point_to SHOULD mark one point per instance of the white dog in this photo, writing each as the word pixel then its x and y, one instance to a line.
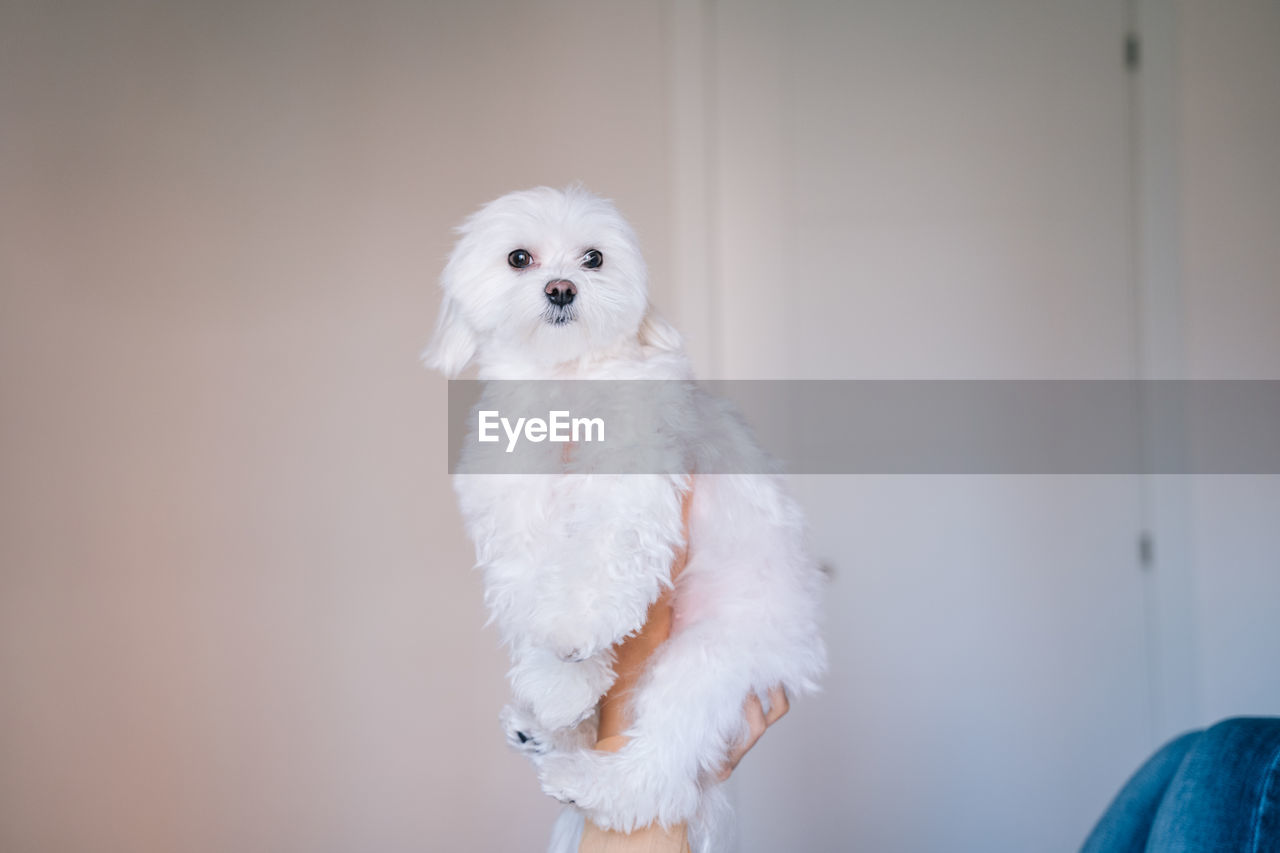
pixel 550 284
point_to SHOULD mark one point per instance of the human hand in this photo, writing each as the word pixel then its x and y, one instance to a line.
pixel 757 721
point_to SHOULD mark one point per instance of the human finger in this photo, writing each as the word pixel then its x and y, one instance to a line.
pixel 757 722
pixel 778 705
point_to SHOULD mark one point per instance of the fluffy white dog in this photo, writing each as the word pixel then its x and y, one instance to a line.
pixel 550 284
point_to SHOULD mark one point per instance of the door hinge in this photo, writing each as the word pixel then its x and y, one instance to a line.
pixel 1132 51
pixel 1146 551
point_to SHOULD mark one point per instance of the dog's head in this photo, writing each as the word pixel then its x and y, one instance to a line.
pixel 538 278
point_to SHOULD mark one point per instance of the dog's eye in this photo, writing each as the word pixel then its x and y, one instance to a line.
pixel 592 259
pixel 519 259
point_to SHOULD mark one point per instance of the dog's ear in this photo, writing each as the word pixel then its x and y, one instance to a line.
pixel 453 345
pixel 657 333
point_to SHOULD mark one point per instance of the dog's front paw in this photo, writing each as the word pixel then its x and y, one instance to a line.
pixel 535 741
pixel 523 733
pixel 559 695
pixel 577 646
pixel 581 633
pixel 617 791
pixel 567 777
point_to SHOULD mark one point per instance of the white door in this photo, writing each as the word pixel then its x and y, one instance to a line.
pixel 940 189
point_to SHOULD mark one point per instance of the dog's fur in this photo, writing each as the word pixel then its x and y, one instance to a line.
pixel 573 560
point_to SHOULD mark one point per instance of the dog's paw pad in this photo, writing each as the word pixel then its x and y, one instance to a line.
pixel 525 742
pixel 522 733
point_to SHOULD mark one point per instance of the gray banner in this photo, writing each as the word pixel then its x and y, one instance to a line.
pixel 866 427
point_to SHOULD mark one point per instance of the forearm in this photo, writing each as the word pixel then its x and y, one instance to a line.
pixel 630 658
pixel 651 839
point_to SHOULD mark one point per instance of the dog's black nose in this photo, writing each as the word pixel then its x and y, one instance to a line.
pixel 561 291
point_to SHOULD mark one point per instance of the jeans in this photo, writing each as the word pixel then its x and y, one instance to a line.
pixel 1207 791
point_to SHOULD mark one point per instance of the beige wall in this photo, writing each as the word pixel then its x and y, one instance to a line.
pixel 1230 154
pixel 235 611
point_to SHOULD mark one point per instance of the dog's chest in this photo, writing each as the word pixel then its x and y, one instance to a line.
pixel 527 525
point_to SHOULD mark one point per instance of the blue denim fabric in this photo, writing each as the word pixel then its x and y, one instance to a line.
pixel 1210 791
